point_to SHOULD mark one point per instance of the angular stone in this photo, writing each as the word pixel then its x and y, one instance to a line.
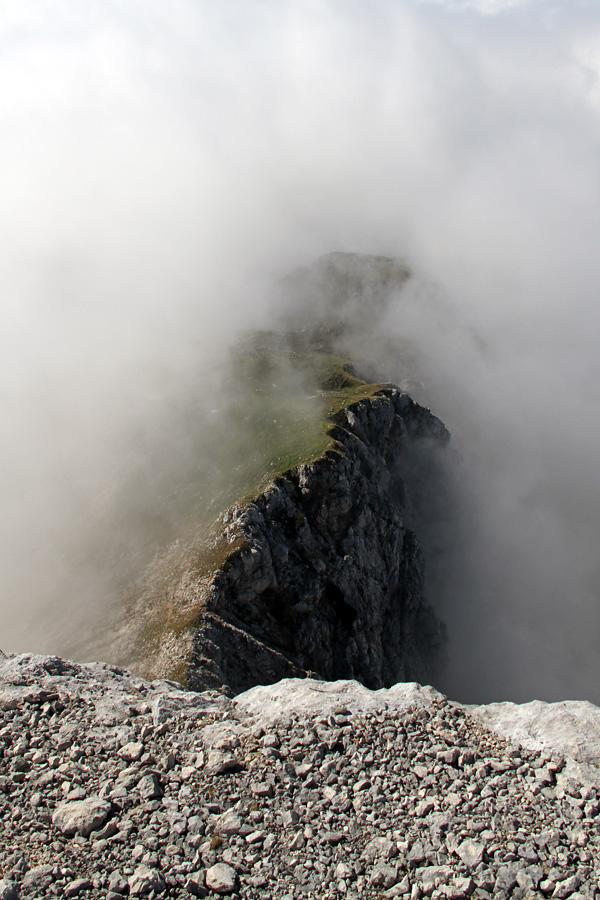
pixel 333 837
pixel 528 853
pixel 423 808
pixel 416 854
pixel 255 837
pixel 219 762
pixel 132 752
pixel 261 789
pixel 342 870
pixel 399 889
pixel 363 785
pixel 506 879
pixel 378 848
pixel 228 823
pixel 430 877
pixel 289 817
pixel 38 880
pixel 383 876
pixel 196 883
pixel 81 816
pixel 144 880
pixel 149 787
pixel 111 828
pixel 449 757
pixel 471 852
pixel 529 877
pixel 76 887
pixel 464 887
pixel 221 878
pixel 566 888
pixel 117 883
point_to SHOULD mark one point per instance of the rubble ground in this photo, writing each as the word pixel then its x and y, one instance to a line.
pixel 111 787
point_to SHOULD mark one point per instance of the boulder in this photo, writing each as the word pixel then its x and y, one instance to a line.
pixel 221 878
pixel 81 816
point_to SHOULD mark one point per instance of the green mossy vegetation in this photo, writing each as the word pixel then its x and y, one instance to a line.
pixel 170 615
pixel 289 387
pixel 283 391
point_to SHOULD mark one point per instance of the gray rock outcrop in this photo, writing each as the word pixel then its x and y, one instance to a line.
pixel 568 727
pixel 328 579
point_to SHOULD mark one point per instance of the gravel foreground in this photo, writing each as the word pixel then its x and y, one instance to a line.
pixel 114 787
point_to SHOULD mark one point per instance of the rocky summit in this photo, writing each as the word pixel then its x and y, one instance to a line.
pixel 113 787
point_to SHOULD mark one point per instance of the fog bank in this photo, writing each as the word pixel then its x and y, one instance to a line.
pixel 163 167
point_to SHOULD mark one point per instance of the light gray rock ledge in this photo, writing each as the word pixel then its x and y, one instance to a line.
pixel 309 697
pixel 570 728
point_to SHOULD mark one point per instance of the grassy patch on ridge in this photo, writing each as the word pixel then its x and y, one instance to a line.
pixel 282 392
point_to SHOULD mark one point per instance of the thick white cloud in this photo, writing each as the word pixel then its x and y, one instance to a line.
pixel 160 164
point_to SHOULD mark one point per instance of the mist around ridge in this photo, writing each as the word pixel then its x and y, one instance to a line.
pixel 161 169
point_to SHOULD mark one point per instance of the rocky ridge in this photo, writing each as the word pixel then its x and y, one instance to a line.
pixel 113 787
pixel 318 570
pixel 329 579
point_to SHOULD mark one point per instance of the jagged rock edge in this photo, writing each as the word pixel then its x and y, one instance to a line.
pixel 220 653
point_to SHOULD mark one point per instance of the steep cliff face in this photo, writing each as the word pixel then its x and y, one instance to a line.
pixel 324 576
pixel 318 570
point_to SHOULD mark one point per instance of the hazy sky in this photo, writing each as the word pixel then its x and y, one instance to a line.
pixel 162 163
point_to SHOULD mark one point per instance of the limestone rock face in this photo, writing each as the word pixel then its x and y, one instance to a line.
pixel 570 728
pixel 329 579
pixel 269 704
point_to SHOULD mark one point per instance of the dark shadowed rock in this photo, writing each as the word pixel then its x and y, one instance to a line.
pixel 9 890
pixel 318 570
pixel 329 579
